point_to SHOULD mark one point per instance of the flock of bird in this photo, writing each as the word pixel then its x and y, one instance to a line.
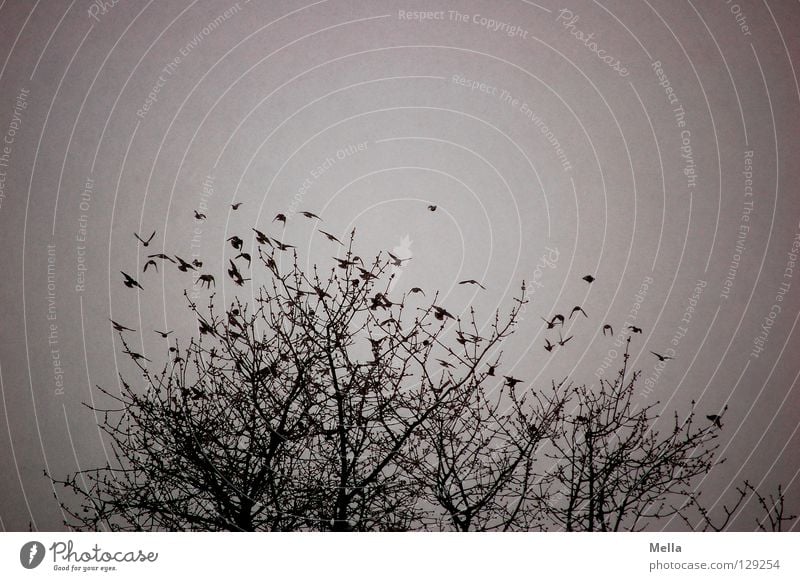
pixel 378 301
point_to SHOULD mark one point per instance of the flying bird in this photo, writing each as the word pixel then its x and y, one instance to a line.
pixel 129 281
pixel 152 263
pixel 440 313
pixel 511 381
pixel 145 242
pixel 235 275
pixel 472 281
pixel 635 329
pixel 589 278
pixel 162 256
pixel 416 290
pixel 261 238
pixel 548 346
pixel 207 280
pixel 445 364
pixel 397 261
pixel 578 310
pixel 550 324
pixel 164 334
pixel 432 208
pixel 311 215
pixel 136 356
pixel 716 419
pixel 246 256
pixel 280 218
pixel 199 216
pixel 236 242
pixel 608 328
pixel 491 370
pixel 563 341
pixel 183 266
pixel 236 206
pixel 197 263
pixel 120 328
pixel 281 246
pixel 661 357
pixel 344 264
pixel 330 237
pixel 559 318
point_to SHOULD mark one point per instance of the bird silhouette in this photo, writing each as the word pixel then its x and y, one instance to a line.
pixel 511 381
pixel 236 242
pixel 716 419
pixel 261 238
pixel 550 324
pixel 343 263
pixel 559 318
pixel 183 266
pixel 164 334
pixel 589 278
pixel 330 237
pixel 472 281
pixel 445 364
pixel 145 242
pixel 236 206
pixel 491 371
pixel 397 261
pixel 246 256
pixel 152 263
pixel 548 346
pixel 120 328
pixel 129 281
pixel 366 275
pixel 135 356
pixel 635 329
pixel 578 310
pixel 608 328
pixel 563 341
pixel 197 263
pixel 661 357
pixel 416 290
pixel 235 275
pixel 432 208
pixel 207 280
pixel 311 215
pixel 199 216
pixel 280 218
pixel 281 246
pixel 440 313
pixel 162 256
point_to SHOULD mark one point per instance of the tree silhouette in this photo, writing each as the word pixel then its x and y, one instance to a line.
pixel 331 403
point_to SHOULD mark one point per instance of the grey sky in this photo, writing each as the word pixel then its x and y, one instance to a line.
pixel 556 141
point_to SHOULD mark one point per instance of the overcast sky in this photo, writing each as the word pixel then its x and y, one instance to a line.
pixel 652 145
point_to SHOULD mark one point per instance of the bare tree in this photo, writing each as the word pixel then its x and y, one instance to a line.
pixel 331 403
